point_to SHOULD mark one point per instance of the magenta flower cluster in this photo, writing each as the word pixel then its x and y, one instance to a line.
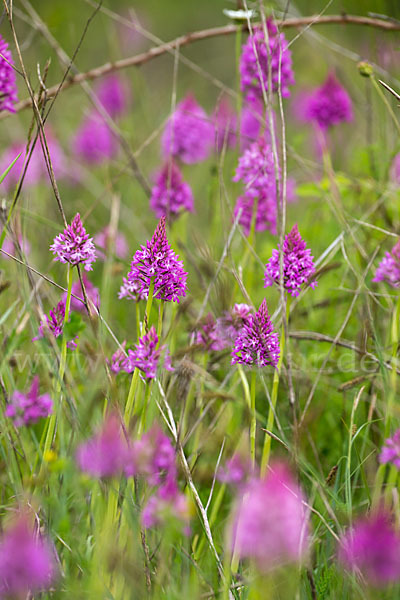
pixel 107 453
pixel 189 133
pixel 372 547
pixel 26 561
pixel 298 264
pixel 328 105
pixel 389 268
pixel 103 240
pixel 155 264
pixel 146 356
pixel 257 344
pixel 27 409
pixel 222 333
pixel 36 171
pixel 94 141
pixel 113 95
pixel 74 246
pixel 225 124
pixel 390 452
pixel 271 521
pixel 260 54
pixel 236 471
pixel 257 172
pixel 54 324
pixel 110 453
pixel 8 84
pixel 171 195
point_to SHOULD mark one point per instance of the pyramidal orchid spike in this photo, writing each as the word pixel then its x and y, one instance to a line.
pixel 156 263
pixel 257 344
pixel 74 246
pixel 298 264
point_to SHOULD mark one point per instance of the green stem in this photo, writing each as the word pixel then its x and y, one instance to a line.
pixel 253 424
pixel 274 396
pixel 135 376
pixel 380 474
pixel 63 360
pixel 160 320
pixel 142 425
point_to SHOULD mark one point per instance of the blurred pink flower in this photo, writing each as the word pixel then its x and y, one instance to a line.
pixel 390 452
pixel 102 240
pixel 37 170
pixel 225 125
pixel 92 293
pixel 94 140
pixel 9 247
pixel 271 523
pixel 325 106
pixel 171 195
pixel 27 409
pixel 166 503
pixel 113 95
pixel 26 561
pixel 189 133
pixel 107 453
pixel 389 268
pixel 372 547
pixel 154 457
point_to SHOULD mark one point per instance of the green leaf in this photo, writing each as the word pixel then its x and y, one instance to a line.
pixel 3 175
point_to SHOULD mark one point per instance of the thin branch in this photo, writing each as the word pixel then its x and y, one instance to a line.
pixel 195 36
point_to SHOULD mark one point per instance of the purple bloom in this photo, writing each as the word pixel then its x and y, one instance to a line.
pixel 113 95
pixel 37 170
pixel 256 170
pixel 271 523
pixel 390 452
pixel 26 561
pixel 146 355
pixel 170 195
pixel 206 334
pixel 257 343
pixel 8 84
pixel 222 333
pixel 74 246
pixel 225 125
pixel 165 504
pixel 257 57
pixel 156 263
pixel 54 323
pixel 92 294
pixel 106 454
pixel 236 471
pixel 118 359
pixel 231 324
pixel 389 268
pixel 9 246
pixel 94 140
pixel 103 240
pixel 26 409
pixel 251 120
pixel 189 133
pixel 132 289
pixel 372 546
pixel 153 457
pixel 328 105
pixel 298 265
